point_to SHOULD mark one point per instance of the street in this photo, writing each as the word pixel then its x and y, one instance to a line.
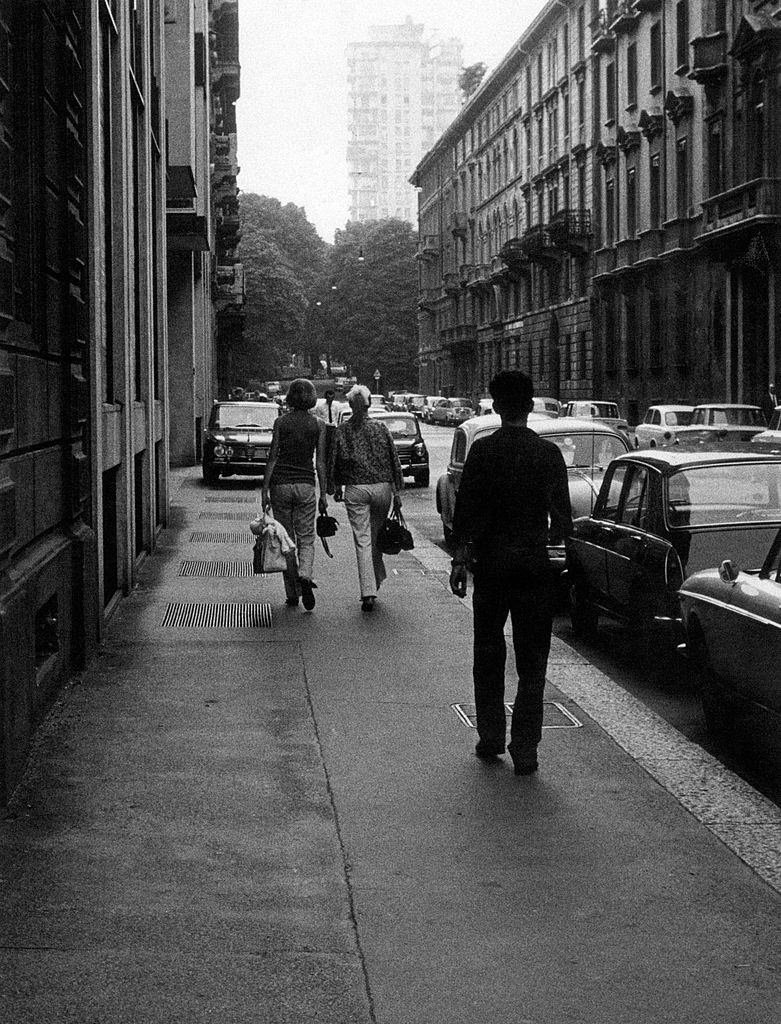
pixel 661 682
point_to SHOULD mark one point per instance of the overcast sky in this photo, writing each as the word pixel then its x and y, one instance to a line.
pixel 292 114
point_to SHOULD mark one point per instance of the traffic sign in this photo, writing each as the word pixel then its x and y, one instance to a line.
pixel 377 374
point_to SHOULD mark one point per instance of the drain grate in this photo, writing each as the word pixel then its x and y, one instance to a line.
pixel 216 537
pixel 236 517
pixel 555 715
pixel 232 499
pixel 217 616
pixel 420 572
pixel 215 567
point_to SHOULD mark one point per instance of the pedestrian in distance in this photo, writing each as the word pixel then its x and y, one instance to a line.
pixel 366 472
pixel 512 482
pixel 769 402
pixel 289 484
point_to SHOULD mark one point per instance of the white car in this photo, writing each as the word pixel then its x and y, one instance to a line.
pixel 547 406
pixel 658 427
pixel 485 407
pixel 773 433
pixel 605 412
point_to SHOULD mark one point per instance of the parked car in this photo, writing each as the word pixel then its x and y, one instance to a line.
pixel 415 404
pixel 377 401
pixel 238 439
pixel 458 410
pixel 722 422
pixel 410 446
pixel 485 407
pixel 605 412
pixel 660 424
pixel 437 410
pixel 588 448
pixel 732 620
pixel 773 433
pixel 661 515
pixel 547 406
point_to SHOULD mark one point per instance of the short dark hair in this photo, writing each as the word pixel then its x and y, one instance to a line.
pixel 329 393
pixel 512 392
pixel 301 394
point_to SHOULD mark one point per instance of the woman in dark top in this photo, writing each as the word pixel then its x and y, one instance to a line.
pixel 289 484
pixel 365 467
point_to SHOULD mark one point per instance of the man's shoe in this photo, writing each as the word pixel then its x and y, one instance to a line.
pixel 525 763
pixel 291 602
pixel 488 751
pixel 307 596
pixel 367 604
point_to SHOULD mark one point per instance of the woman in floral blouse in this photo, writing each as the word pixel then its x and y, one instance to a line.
pixel 365 470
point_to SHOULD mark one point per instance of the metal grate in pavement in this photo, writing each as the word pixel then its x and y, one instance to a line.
pixel 217 537
pixel 420 572
pixel 555 715
pixel 214 567
pixel 236 517
pixel 179 615
pixel 236 499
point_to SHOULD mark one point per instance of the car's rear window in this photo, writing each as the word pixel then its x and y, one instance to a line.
pixel 583 451
pixel 677 419
pixel 403 426
pixel 728 417
pixel 460 403
pixel 729 493
pixel 224 416
pixel 608 409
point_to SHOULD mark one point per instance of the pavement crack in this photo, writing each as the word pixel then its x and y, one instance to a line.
pixel 346 865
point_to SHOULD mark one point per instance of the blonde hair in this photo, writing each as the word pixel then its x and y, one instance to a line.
pixel 362 390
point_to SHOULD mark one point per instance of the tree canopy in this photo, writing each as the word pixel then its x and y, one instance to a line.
pixel 470 78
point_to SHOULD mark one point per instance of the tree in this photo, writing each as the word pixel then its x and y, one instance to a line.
pixel 368 316
pixel 470 78
pixel 283 258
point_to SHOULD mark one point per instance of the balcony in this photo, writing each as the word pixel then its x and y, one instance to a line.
pixel 570 231
pixel 458 224
pixel 623 16
pixel 742 209
pixel 604 261
pixel 464 334
pixel 536 244
pixel 602 39
pixel 679 233
pixel 478 277
pixel 651 243
pixel 515 257
pixel 229 286
pixel 451 284
pixel 627 253
pixel 709 58
pixel 463 272
pixel 428 248
pixel 427 298
pixel 498 270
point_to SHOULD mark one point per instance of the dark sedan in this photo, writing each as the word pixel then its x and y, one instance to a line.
pixel 732 618
pixel 660 516
pixel 238 439
pixel 410 446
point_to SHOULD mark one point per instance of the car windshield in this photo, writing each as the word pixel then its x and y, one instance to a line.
pixel 226 416
pixel 609 410
pixel 677 419
pixel 728 493
pixel 460 403
pixel 403 426
pixel 586 451
pixel 728 417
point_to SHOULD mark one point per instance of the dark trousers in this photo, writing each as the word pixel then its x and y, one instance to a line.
pixel 530 606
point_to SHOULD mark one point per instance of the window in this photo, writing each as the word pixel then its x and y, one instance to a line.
pixel 540 143
pixel 682 176
pixel 565 48
pixel 631 202
pixel 756 129
pixel 630 309
pixel 682 34
pixel 609 212
pixel 654 190
pixel 609 508
pixel 681 328
pixel 539 75
pixel 631 75
pixel 528 87
pixel 719 15
pixel 655 330
pixel 656 55
pixel 582 108
pixel 715 159
pixel 528 134
pixel 634 510
pixel 610 92
pixel 582 186
pixel 581 29
pixel 565 115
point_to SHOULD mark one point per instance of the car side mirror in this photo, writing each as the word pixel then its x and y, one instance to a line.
pixel 728 571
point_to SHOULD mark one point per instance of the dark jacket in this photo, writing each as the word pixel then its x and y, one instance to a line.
pixel 512 482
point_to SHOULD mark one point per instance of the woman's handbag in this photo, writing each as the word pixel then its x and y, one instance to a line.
pixel 273 551
pixel 394 535
pixel 326 526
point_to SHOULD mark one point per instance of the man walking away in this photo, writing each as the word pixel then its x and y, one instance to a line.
pixel 512 482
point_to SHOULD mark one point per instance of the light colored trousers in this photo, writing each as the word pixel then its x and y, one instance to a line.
pixel 367 509
pixel 294 506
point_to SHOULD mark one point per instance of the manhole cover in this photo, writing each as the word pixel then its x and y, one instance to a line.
pixel 236 517
pixel 232 499
pixel 217 616
pixel 223 569
pixel 555 715
pixel 216 537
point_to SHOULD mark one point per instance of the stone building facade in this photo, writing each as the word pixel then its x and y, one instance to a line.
pixel 689 193
pixel 85 396
pixel 505 221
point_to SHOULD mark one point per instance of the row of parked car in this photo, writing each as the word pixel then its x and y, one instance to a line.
pixel 665 425
pixel 680 542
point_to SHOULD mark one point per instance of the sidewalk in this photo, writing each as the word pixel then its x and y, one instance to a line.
pixel 286 823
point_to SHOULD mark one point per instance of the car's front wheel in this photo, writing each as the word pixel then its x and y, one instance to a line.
pixel 583 614
pixel 211 476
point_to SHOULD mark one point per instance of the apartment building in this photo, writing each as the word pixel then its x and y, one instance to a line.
pixel 505 221
pixel 88 90
pixel 689 193
pixel 403 92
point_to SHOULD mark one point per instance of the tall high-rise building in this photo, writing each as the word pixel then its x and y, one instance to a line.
pixel 403 93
